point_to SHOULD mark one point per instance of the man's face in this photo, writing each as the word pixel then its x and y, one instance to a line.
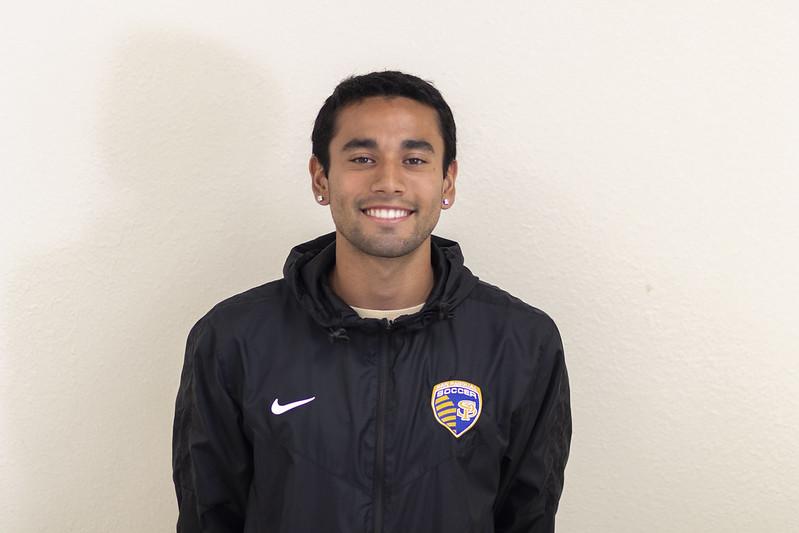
pixel 386 183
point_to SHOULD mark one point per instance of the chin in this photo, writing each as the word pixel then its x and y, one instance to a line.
pixel 388 250
pixel 389 247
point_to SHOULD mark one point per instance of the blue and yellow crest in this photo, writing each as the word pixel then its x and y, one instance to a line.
pixel 457 405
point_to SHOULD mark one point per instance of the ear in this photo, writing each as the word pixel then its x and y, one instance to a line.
pixel 448 187
pixel 318 181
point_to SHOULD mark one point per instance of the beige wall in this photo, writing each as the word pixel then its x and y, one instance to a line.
pixel 629 167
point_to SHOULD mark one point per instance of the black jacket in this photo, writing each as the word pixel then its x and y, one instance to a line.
pixel 387 444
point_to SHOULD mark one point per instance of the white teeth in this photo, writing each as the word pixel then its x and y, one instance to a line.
pixel 387 213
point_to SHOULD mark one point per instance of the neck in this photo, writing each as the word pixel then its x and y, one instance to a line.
pixel 371 282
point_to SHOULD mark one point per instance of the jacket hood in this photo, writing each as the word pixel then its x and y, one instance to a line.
pixel 308 265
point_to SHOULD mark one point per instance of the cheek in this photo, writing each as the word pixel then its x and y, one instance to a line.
pixel 336 208
pixel 346 188
pixel 434 193
pixel 432 208
pixel 342 206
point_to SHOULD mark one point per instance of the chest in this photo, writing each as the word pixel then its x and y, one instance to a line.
pixel 413 398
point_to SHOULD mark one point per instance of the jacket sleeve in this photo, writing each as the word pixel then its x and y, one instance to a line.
pixel 211 456
pixel 533 467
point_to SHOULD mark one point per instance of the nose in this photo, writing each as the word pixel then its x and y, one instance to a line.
pixel 388 179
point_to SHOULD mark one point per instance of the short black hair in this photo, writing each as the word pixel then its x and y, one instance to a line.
pixel 389 83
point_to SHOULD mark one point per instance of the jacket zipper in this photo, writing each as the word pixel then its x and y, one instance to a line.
pixel 382 378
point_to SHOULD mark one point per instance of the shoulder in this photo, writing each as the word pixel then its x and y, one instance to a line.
pixel 495 303
pixel 245 308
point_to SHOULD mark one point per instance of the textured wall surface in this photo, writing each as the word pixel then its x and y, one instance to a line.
pixel 629 167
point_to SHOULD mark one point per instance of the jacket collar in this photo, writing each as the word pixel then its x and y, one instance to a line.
pixel 306 271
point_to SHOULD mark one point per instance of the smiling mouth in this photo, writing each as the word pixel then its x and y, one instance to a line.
pixel 387 214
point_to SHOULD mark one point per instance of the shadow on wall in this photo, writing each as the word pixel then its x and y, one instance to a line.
pixel 101 323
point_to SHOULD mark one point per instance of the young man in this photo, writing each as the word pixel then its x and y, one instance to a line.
pixel 379 386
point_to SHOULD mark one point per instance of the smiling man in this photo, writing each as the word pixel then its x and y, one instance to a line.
pixel 386 178
pixel 379 386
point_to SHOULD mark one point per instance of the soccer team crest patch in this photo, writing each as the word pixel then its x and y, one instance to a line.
pixel 457 405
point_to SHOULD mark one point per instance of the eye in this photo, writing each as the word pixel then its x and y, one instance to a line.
pixel 362 160
pixel 415 161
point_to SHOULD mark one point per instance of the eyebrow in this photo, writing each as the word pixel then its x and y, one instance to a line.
pixel 353 144
pixel 414 144
pixel 371 144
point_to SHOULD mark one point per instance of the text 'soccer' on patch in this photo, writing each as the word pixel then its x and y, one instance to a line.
pixel 457 405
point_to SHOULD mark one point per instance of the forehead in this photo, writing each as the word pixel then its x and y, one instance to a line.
pixel 387 119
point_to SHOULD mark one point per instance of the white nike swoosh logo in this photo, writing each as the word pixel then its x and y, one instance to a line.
pixel 280 409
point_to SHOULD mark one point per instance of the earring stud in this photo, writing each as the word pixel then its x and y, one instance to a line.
pixel 445 201
pixel 320 198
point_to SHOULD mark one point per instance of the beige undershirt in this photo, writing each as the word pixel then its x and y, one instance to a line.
pixel 391 314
